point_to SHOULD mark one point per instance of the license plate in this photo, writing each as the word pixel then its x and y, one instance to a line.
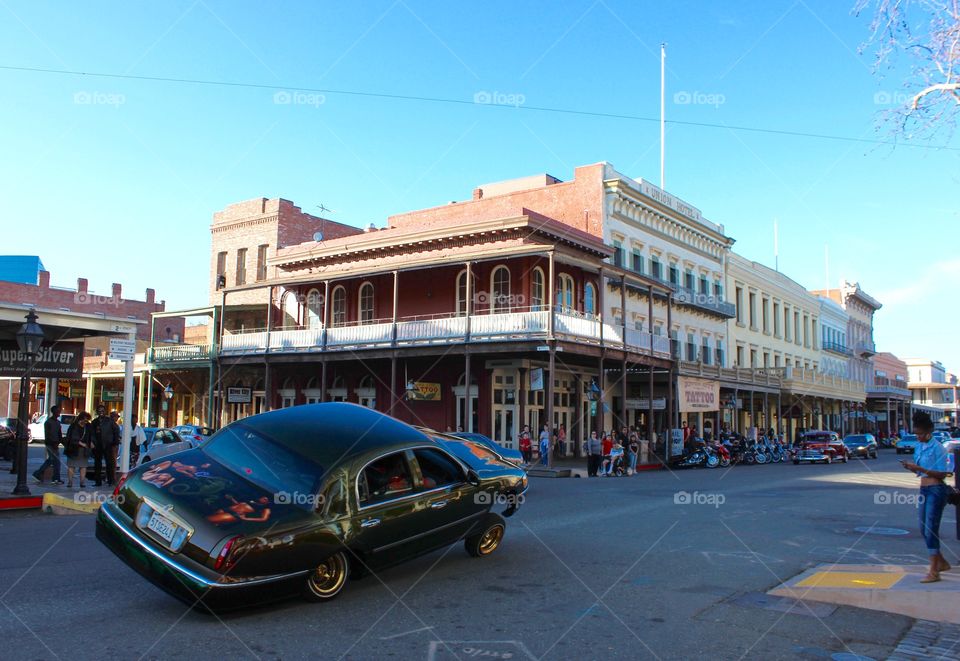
pixel 162 526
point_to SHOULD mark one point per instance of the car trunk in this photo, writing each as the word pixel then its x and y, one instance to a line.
pixel 217 503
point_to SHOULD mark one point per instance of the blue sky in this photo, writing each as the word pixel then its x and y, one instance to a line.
pixel 116 179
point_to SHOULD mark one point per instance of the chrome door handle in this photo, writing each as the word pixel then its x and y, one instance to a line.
pixel 369 523
pixel 439 504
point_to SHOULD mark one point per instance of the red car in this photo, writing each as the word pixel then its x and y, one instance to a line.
pixel 825 446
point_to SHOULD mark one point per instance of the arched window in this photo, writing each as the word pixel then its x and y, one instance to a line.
pixel 565 293
pixel 536 290
pixel 589 299
pixel 366 304
pixel 339 306
pixel 462 293
pixel 500 289
pixel 288 310
pixel 314 308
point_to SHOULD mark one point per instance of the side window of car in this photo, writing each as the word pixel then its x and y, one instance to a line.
pixel 437 468
pixel 384 479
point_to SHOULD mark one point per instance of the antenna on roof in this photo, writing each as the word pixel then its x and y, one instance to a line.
pixel 318 236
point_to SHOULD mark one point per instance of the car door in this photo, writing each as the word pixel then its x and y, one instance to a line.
pixel 386 524
pixel 450 504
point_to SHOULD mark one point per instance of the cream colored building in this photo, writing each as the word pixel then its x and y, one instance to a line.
pixel 777 329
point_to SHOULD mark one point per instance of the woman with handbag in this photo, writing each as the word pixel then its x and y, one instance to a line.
pixel 78 448
pixel 930 465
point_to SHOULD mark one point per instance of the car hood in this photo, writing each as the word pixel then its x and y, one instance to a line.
pixel 211 498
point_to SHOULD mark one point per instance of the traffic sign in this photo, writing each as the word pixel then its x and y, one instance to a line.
pixel 121 349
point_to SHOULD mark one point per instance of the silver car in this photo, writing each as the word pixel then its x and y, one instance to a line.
pixel 907 444
pixel 164 442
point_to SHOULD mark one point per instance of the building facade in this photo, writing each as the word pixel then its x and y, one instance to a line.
pixel 777 328
pixel 835 354
pixel 889 396
pixel 933 390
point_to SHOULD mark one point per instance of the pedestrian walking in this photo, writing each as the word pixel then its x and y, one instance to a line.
pixel 52 438
pixel 561 441
pixel 106 438
pixel 544 445
pixel 594 450
pixel 930 465
pixel 78 446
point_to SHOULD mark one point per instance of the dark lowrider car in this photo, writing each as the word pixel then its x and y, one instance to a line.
pixel 862 445
pixel 300 500
pixel 824 446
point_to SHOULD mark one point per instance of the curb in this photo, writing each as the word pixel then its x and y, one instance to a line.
pixel 21 503
pixel 54 504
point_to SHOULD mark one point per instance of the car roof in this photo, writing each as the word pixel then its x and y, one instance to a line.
pixel 329 432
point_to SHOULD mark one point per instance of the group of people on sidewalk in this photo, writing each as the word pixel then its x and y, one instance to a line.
pixel 87 436
pixel 612 453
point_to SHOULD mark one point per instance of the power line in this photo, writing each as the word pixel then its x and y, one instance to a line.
pixel 435 99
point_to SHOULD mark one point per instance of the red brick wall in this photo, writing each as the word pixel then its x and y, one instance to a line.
pixel 578 203
pixel 250 224
pixel 111 304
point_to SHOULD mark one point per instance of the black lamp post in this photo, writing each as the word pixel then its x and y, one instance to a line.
pixel 29 339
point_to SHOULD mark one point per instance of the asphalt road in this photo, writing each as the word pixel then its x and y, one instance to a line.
pixel 659 565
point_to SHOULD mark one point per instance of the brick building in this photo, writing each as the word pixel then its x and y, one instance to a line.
pixel 39 293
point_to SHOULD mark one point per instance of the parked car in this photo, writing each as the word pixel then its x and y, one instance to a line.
pixel 197 433
pixel 302 499
pixel 507 453
pixel 36 428
pixel 862 445
pixel 12 424
pixel 163 441
pixel 8 442
pixel 907 444
pixel 824 446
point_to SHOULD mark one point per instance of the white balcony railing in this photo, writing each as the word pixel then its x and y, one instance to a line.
pixel 505 326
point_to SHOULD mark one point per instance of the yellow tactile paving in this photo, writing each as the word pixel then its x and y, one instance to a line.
pixel 847 579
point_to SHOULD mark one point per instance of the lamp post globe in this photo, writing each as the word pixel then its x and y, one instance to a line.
pixel 29 340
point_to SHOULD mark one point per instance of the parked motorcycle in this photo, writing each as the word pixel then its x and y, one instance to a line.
pixel 701 455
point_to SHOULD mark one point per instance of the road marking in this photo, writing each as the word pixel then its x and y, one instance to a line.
pixel 406 633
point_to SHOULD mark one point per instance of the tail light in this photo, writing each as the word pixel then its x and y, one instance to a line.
pixel 198 438
pixel 225 559
pixel 116 489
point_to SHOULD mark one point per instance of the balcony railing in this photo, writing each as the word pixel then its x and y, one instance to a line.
pixel 836 347
pixel 505 326
pixel 181 353
pixel 798 376
pixel 866 349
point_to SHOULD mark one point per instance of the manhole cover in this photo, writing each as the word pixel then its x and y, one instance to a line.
pixel 880 530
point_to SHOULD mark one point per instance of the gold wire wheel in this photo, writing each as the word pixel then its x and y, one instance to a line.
pixel 328 579
pixel 491 539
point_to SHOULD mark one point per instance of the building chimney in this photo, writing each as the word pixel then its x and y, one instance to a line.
pixel 477 193
pixel 116 291
pixel 44 280
pixel 151 296
pixel 82 285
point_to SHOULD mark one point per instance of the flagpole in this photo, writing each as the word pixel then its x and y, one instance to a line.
pixel 776 246
pixel 663 108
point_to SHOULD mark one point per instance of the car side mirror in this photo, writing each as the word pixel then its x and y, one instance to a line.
pixel 473 477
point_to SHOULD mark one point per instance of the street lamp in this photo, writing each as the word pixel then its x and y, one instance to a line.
pixel 29 339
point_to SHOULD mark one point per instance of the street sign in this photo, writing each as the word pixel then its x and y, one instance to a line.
pixel 239 395
pixel 122 349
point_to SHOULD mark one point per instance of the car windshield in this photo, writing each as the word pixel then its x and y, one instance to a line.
pixel 265 462
pixel 855 440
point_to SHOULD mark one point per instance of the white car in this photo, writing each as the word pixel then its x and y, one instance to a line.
pixel 196 433
pixel 164 442
pixel 36 428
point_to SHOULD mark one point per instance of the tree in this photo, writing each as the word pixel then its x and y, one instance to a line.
pixel 927 33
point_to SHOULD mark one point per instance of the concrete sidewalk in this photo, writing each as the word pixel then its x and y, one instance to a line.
pixel 888 588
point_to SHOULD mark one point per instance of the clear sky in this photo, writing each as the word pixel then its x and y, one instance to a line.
pixel 116 179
